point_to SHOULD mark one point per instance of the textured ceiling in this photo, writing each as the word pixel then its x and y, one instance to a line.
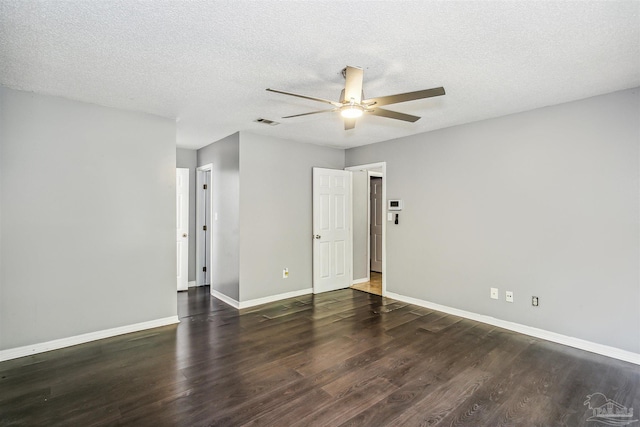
pixel 208 63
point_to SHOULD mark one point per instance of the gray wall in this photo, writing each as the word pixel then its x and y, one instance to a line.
pixel 225 177
pixel 87 218
pixel 186 158
pixel 540 203
pixel 275 212
pixel 360 200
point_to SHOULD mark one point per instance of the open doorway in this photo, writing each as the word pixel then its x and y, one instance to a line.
pixel 203 225
pixel 369 228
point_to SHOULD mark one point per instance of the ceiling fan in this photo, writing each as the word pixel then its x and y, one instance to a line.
pixel 353 105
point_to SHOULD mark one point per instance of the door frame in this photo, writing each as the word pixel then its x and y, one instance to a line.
pixel 366 167
pixel 201 221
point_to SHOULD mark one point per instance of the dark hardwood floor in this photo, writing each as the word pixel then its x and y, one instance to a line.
pixel 343 358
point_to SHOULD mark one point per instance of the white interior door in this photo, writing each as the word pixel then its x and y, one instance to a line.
pixel 182 227
pixel 377 213
pixel 331 229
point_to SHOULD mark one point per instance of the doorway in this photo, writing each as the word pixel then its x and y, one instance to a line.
pixel 341 249
pixel 203 225
pixel 369 228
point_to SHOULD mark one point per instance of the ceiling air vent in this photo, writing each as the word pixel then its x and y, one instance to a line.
pixel 267 122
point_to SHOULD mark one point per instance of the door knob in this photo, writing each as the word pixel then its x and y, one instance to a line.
pixel 317 236
pixel 184 235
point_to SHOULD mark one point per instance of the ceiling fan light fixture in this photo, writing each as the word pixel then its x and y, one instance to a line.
pixel 353 104
pixel 351 112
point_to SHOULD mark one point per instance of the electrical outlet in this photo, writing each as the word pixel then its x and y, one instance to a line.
pixel 508 296
pixel 534 301
pixel 494 293
pixel 285 273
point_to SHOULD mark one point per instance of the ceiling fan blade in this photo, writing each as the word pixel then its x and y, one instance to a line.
pixel 326 101
pixel 353 84
pixel 394 115
pixel 349 124
pixel 307 114
pixel 404 97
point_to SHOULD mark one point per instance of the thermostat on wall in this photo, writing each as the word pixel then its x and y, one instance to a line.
pixel 395 205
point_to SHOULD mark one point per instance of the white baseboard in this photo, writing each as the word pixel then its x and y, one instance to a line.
pixel 259 301
pixel 194 284
pixel 602 349
pixel 225 299
pixel 355 282
pixel 272 298
pixel 28 350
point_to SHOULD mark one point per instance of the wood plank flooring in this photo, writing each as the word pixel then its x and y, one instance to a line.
pixel 373 286
pixel 344 358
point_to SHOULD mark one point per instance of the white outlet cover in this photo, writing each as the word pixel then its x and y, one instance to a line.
pixel 494 293
pixel 508 296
